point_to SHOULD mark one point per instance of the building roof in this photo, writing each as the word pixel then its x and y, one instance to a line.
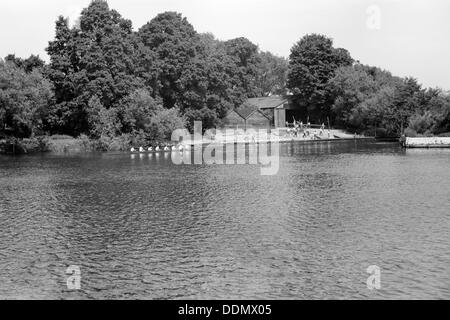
pixel 252 105
pixel 267 102
pixel 246 110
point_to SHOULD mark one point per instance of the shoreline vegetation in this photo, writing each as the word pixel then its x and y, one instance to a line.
pixel 113 86
pixel 60 144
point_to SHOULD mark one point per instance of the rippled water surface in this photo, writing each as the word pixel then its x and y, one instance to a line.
pixel 142 227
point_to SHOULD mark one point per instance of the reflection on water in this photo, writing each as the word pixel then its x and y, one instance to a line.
pixel 142 227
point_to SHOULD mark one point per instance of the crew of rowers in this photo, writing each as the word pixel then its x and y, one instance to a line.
pixel 166 148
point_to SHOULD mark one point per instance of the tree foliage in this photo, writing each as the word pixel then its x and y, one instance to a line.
pixel 174 43
pixel 200 75
pixel 112 83
pixel 163 123
pixel 271 74
pixel 97 59
pixel 367 98
pixel 313 62
pixel 24 98
pixel 29 64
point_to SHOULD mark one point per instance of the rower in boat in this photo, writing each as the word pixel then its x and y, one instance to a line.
pixel 157 148
pixel 166 148
pixel 174 148
pixel 133 150
pixel 141 149
pixel 150 149
pixel 180 148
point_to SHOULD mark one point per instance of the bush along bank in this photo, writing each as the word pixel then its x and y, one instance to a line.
pixel 23 146
pixel 82 144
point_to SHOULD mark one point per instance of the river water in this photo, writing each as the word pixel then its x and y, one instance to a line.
pixel 141 227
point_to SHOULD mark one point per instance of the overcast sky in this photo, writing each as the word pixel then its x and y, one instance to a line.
pixel 407 37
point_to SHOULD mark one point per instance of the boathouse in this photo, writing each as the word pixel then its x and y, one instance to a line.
pixel 259 113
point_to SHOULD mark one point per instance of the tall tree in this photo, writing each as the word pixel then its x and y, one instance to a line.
pixel 202 76
pixel 28 64
pixel 272 74
pixel 367 98
pixel 24 98
pixel 353 85
pixel 137 110
pixel 245 56
pixel 174 43
pixel 313 62
pixel 98 58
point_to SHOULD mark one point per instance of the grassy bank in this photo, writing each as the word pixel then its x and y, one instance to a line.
pixel 61 144
pixel 68 144
pixel 23 146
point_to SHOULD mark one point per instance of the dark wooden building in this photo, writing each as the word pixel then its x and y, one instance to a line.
pixel 262 112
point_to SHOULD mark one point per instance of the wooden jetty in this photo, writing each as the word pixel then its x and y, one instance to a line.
pixel 427 142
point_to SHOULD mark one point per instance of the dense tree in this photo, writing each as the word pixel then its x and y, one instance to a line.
pixel 175 44
pixel 103 122
pixel 28 64
pixel 439 104
pixel 188 72
pixel 313 62
pixel 405 102
pixel 202 76
pixel 98 58
pixel 137 110
pixel 245 57
pixel 272 74
pixel 24 99
pixel 350 87
pixel 163 123
pixel 434 115
pixel 368 98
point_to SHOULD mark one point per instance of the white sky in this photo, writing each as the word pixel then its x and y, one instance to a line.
pixel 411 38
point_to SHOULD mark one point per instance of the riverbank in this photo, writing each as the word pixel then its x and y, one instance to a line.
pixel 62 144
pixel 282 135
pixel 83 144
pixel 68 144
pixel 427 142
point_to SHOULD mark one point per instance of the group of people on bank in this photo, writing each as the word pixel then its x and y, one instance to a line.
pixel 306 131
